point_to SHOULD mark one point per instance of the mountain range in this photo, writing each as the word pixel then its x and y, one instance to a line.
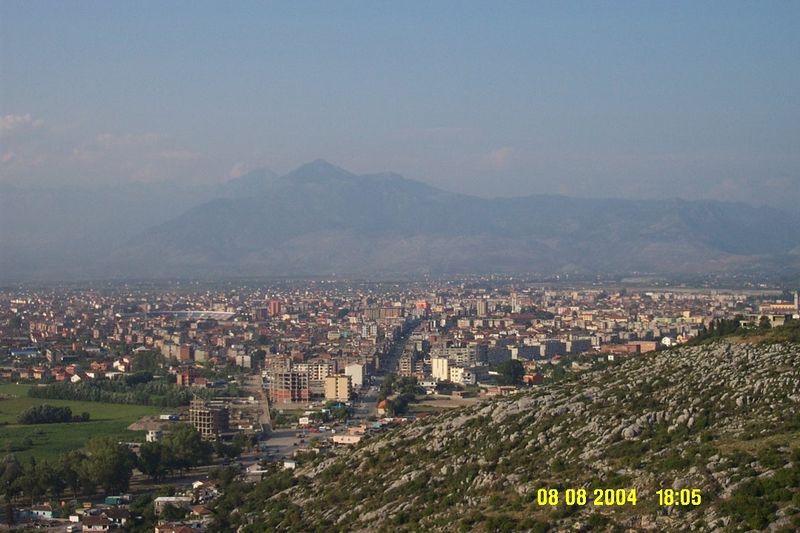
pixel 323 220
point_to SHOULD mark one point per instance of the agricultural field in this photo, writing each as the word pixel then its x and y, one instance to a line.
pixel 45 441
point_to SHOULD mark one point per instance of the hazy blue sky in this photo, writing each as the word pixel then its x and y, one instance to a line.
pixel 633 99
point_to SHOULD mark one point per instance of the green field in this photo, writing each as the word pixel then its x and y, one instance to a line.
pixel 46 441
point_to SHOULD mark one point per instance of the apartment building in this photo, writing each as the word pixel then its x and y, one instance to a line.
pixel 338 388
pixel 287 386
pixel 209 421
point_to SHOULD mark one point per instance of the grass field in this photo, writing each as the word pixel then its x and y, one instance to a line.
pixel 46 441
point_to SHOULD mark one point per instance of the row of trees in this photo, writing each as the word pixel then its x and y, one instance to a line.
pixel 102 463
pixel 719 328
pixel 399 385
pixel 122 391
pixel 48 414
pixel 722 327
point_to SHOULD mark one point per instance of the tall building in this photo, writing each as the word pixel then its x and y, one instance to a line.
pixel 338 388
pixel 482 307
pixel 405 365
pixel 274 307
pixel 287 386
pixel 209 421
pixel 462 355
pixel 440 368
pixel 317 371
pixel 390 312
pixel 356 373
pixel 186 352
pixel 369 330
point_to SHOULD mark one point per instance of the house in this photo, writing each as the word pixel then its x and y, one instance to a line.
pixel 201 511
pixel 205 490
pixel 123 365
pixel 533 379
pixel 99 366
pixel 347 439
pixel 118 516
pixel 91 524
pixel 176 501
pixel 79 376
pixel 44 511
pixel 174 528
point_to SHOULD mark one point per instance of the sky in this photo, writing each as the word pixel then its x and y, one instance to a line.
pixel 615 99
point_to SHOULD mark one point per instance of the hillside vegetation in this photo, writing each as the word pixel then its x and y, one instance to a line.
pixel 723 418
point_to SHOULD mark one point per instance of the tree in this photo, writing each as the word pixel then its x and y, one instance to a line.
pixel 398 406
pixel 69 469
pixel 45 414
pixel 408 385
pixel 31 481
pixel 185 448
pixel 10 472
pixel 51 479
pixel 230 451
pixel 152 460
pixel 172 513
pixel 258 358
pixel 109 463
pixel 510 372
pixel 386 387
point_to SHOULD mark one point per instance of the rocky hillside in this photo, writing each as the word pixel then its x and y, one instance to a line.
pixel 723 418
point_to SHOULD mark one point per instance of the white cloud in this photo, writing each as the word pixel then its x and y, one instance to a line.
pixel 142 139
pixel 34 153
pixel 14 123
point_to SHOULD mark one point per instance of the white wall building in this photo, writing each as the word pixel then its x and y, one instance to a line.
pixel 356 373
pixel 462 376
pixel 440 368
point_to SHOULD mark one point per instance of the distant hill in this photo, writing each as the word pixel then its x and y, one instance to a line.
pixel 722 419
pixel 63 231
pixel 321 219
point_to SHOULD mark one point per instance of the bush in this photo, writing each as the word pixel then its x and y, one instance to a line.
pixel 48 414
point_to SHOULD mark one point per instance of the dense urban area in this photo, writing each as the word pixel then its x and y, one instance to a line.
pixel 149 407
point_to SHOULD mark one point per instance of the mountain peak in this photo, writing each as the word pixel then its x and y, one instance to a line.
pixel 319 169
